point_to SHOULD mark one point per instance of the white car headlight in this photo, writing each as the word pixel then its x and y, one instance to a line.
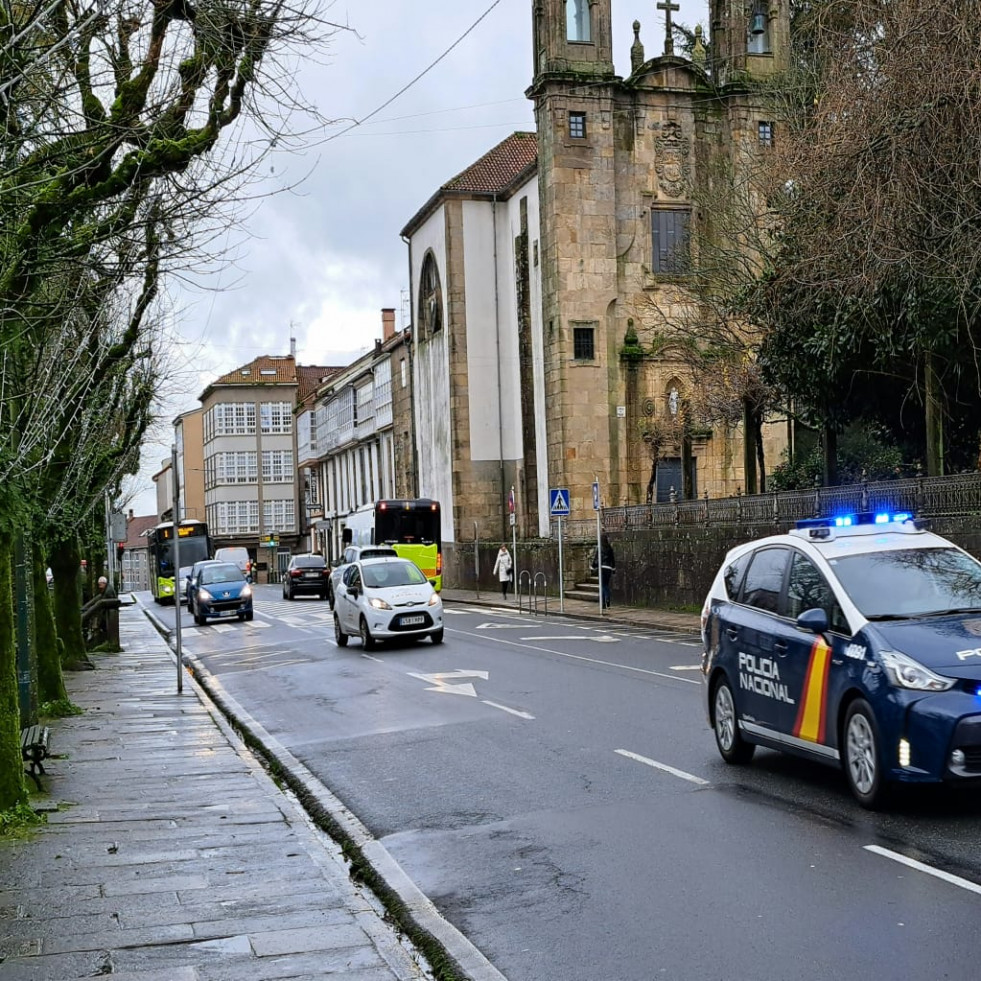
pixel 903 672
pixel 434 600
pixel 378 603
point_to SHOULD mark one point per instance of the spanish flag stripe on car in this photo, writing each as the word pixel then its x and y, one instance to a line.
pixel 812 714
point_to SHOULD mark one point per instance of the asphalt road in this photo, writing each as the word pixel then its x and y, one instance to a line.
pixel 553 786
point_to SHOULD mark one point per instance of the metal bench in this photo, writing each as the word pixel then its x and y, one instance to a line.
pixel 34 749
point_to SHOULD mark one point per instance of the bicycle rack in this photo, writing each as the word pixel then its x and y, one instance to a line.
pixel 544 581
pixel 523 577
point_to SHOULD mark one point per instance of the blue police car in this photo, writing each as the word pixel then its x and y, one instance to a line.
pixel 853 640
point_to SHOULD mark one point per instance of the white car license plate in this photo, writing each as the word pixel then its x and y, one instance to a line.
pixel 412 621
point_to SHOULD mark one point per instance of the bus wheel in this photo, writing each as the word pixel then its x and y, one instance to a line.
pixel 367 641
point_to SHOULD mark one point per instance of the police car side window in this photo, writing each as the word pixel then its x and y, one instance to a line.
pixel 734 573
pixel 807 589
pixel 764 580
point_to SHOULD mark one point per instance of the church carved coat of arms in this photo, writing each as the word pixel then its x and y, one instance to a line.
pixel 671 151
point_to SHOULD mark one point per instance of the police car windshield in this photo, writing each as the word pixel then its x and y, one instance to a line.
pixel 910 582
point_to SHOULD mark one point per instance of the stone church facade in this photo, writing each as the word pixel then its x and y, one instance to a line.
pixel 536 274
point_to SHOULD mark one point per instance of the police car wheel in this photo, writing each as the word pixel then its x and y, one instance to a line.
pixel 861 759
pixel 732 747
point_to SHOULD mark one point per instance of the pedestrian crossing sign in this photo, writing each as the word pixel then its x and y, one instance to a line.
pixel 558 502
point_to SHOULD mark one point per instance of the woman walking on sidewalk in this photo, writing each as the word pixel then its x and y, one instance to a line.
pixel 502 569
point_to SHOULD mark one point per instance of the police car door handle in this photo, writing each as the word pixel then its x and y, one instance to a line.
pixel 732 633
pixel 780 646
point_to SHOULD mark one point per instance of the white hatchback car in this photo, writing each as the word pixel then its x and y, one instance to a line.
pixel 386 599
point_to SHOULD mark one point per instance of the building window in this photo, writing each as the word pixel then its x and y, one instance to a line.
pixel 404 371
pixel 583 348
pixel 577 125
pixel 276 417
pixel 233 419
pixel 278 516
pixel 235 517
pixel 766 133
pixel 577 20
pixel 430 297
pixel 669 234
pixel 277 466
pixel 232 468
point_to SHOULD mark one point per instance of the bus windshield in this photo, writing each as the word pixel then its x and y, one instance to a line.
pixel 407 526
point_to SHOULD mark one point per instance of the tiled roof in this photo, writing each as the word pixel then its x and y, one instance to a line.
pixel 309 377
pixel 499 168
pixel 499 172
pixel 264 370
pixel 136 528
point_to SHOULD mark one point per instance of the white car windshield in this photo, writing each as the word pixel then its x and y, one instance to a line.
pixel 910 582
pixel 379 575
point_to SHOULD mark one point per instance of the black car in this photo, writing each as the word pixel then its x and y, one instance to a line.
pixel 306 574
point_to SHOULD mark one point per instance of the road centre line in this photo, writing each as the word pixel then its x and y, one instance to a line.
pixel 504 708
pixel 663 766
pixel 573 657
pixel 954 880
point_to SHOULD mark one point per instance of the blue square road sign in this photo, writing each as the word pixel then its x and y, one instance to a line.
pixel 558 502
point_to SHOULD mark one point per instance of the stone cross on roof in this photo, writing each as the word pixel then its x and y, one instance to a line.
pixel 667 6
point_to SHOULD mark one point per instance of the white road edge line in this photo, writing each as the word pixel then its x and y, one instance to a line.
pixel 954 880
pixel 504 708
pixel 663 766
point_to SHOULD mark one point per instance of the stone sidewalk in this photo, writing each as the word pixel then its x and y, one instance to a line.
pixel 169 853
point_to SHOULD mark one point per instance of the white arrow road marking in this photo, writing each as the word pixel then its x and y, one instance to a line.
pixel 662 766
pixel 439 681
pixel 504 708
pixel 502 626
pixel 601 639
pixel 954 880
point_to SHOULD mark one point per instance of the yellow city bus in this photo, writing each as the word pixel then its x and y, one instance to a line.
pixel 195 545
pixel 411 527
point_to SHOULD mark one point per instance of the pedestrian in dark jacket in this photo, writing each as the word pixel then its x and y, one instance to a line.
pixel 605 563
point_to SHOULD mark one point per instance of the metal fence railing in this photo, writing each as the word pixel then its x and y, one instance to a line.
pixel 926 497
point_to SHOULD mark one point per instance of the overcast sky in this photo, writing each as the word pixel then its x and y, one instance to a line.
pixel 319 261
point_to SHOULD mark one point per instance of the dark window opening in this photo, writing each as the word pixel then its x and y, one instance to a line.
pixel 669 234
pixel 766 133
pixel 582 343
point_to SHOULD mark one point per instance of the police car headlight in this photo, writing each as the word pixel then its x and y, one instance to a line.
pixel 903 672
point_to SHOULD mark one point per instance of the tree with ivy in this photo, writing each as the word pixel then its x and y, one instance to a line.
pixel 123 131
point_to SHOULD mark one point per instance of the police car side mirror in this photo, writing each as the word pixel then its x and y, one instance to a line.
pixel 815 621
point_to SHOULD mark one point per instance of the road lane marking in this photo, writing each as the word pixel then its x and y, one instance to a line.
pixel 686 667
pixel 577 657
pixel 663 766
pixel 954 880
pixel 441 680
pixel 601 639
pixel 504 708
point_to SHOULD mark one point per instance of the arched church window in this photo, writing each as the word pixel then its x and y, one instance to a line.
pixel 430 297
pixel 577 20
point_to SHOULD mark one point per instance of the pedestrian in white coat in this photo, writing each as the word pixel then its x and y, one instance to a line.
pixel 502 569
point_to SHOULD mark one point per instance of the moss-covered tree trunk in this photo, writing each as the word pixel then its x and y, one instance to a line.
pixel 50 681
pixel 66 563
pixel 12 788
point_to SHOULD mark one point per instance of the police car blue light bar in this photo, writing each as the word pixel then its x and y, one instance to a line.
pixel 861 518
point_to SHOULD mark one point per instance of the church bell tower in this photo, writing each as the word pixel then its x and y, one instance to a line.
pixel 749 39
pixel 572 37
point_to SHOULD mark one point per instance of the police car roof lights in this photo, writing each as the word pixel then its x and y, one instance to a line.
pixel 861 522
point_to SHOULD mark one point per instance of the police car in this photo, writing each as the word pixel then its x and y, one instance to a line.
pixel 854 640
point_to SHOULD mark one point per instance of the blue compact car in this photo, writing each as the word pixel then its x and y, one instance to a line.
pixel 853 640
pixel 218 589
